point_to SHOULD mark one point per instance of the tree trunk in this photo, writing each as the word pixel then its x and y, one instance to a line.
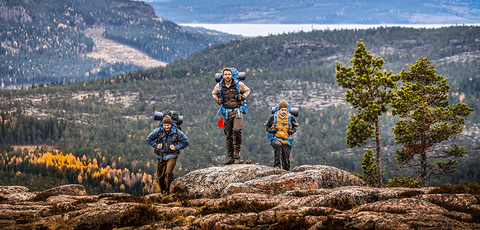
pixel 379 155
pixel 423 172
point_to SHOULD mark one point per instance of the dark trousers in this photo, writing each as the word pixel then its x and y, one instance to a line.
pixel 232 128
pixel 281 154
pixel 165 173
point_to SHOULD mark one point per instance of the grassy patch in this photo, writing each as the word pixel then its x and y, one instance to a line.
pixel 333 223
pixel 42 196
pixel 319 212
pixel 140 199
pixel 291 222
pixel 57 209
pixel 184 199
pixel 139 215
pixel 464 188
pixel 85 201
pixel 236 206
pixel 133 199
pixel 159 200
pixel 410 193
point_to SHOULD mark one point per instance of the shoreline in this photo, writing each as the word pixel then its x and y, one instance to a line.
pixel 255 30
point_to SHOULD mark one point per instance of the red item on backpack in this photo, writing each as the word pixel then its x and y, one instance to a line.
pixel 220 123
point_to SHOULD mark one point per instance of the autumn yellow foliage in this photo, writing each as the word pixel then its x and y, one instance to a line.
pixel 82 170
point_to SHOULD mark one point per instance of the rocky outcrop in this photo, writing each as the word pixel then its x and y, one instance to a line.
pixel 245 197
pixel 210 182
pixel 301 178
pixel 245 178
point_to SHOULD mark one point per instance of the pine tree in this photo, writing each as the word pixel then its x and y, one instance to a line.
pixel 369 90
pixel 428 119
pixel 369 168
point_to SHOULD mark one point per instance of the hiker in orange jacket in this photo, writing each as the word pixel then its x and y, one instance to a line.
pixel 280 127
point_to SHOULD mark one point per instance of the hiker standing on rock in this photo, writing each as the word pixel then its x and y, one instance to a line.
pixel 230 93
pixel 280 127
pixel 167 140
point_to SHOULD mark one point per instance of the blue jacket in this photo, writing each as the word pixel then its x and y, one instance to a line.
pixel 171 138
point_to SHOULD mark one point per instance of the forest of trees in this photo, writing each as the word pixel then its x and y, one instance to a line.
pixel 40 167
pixel 108 118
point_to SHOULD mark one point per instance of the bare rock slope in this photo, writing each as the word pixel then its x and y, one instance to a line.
pixel 245 197
pixel 112 51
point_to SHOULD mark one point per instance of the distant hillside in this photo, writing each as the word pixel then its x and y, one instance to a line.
pixel 44 41
pixel 109 119
pixel 321 12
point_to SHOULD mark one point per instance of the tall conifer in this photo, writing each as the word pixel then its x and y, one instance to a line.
pixel 428 119
pixel 369 90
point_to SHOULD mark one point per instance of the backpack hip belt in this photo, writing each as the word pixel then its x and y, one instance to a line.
pixel 231 110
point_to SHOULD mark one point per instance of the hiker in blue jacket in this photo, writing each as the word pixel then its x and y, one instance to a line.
pixel 168 141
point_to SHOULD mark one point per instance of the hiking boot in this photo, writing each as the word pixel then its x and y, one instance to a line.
pixel 236 155
pixel 230 161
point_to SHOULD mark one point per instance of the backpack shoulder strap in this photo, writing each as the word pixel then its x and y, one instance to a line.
pixel 176 141
pixel 238 87
pixel 275 119
pixel 159 135
pixel 289 120
pixel 220 89
pixel 176 136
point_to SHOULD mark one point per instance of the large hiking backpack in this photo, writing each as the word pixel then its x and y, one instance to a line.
pixel 177 120
pixel 291 112
pixel 236 77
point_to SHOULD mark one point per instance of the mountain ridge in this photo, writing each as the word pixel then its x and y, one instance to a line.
pixel 44 42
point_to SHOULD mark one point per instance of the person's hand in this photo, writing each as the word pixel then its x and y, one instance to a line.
pixel 240 97
pixel 219 101
pixel 272 130
pixel 290 131
pixel 160 145
pixel 172 147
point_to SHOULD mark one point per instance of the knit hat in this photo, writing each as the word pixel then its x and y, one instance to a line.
pixel 167 120
pixel 282 104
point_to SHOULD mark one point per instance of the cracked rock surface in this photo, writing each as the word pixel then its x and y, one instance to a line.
pixel 244 197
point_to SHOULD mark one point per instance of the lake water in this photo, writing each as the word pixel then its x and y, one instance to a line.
pixel 253 30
